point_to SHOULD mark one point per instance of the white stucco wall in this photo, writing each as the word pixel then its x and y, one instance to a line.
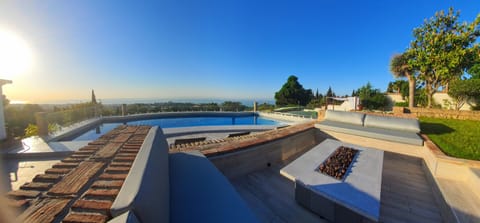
pixel 446 101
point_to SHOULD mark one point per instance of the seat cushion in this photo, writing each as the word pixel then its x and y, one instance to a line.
pixel 345 117
pixel 376 133
pixel 199 192
pixel 388 122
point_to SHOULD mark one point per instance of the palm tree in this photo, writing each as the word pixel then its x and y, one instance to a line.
pixel 400 68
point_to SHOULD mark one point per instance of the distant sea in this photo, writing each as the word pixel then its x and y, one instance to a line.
pixel 247 102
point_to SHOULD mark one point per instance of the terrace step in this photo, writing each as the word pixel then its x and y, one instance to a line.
pixel 96 206
pixel 36 186
pixel 16 194
pixel 58 171
pixel 47 178
pixel 84 218
pixel 107 184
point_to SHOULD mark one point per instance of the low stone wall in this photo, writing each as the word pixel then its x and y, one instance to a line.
pixel 265 150
pixel 438 113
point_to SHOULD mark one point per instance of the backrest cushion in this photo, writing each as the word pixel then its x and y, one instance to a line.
pixel 146 188
pixel 388 122
pixel 345 117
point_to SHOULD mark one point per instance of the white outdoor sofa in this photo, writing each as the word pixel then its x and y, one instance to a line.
pixel 179 187
pixel 403 130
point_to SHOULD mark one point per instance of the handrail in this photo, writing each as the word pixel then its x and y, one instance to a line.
pixel 290 115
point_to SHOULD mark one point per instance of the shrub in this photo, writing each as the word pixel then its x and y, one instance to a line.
pixel 464 90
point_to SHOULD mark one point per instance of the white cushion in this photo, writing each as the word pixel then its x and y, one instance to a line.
pixel 345 117
pixel 388 122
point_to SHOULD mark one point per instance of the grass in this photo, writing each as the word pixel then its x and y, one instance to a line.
pixel 305 113
pixel 457 138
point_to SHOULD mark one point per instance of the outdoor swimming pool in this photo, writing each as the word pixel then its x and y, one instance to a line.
pixel 94 133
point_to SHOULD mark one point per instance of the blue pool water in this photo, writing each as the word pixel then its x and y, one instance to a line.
pixel 177 122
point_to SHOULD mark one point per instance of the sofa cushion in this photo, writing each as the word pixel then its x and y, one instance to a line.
pixel 388 122
pixel 199 192
pixel 376 133
pixel 146 188
pixel 345 117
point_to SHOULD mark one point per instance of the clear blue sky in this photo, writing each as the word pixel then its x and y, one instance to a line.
pixel 210 49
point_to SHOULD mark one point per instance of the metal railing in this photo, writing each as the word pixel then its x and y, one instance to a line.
pixel 71 116
pixel 286 114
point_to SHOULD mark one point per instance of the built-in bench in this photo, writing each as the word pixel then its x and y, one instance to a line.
pixel 403 130
pixel 178 187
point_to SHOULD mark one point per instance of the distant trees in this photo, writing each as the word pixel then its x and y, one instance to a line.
pixel 232 106
pixel 266 107
pixel 329 95
pixel 5 100
pixel 317 101
pixel 18 117
pixel 293 93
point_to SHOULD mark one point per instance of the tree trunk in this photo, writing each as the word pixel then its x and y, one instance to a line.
pixel 411 91
pixel 428 88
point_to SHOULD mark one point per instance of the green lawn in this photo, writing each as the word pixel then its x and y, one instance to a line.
pixel 457 138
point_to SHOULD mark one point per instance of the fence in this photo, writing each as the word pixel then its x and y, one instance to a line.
pixel 54 121
pixel 287 116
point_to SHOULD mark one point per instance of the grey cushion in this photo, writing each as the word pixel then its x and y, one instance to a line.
pixel 385 122
pixel 146 188
pixel 127 217
pixel 345 117
pixel 199 192
pixel 376 133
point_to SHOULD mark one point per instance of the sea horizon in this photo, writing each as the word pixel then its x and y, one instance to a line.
pixel 118 101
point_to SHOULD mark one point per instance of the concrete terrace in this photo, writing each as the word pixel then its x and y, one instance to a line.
pixel 82 187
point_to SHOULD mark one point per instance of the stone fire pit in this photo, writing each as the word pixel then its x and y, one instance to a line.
pixel 353 198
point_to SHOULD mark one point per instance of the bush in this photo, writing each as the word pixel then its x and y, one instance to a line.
pixel 371 98
pixel 31 130
pixel 401 104
pixel 464 90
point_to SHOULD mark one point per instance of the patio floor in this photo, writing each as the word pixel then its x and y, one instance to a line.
pixel 406 194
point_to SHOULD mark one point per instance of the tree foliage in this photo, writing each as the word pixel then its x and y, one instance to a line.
pixel 464 90
pixel 443 49
pixel 329 95
pixel 18 117
pixel 401 68
pixel 293 93
pixel 398 86
pixel 232 106
pixel 371 98
pixel 474 71
pixel 5 100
